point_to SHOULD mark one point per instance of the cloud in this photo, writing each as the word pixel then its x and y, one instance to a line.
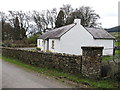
pixel 105 8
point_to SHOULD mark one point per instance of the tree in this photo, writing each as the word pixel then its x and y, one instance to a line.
pixel 67 10
pixel 7 32
pixel 16 24
pixel 53 17
pixel 86 14
pixel 45 19
pixel 33 39
pixel 3 18
pixel 37 19
pixel 18 20
pixel 60 19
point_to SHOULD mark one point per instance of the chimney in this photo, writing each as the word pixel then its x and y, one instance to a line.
pixel 77 21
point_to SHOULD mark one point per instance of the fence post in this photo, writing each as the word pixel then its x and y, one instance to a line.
pixel 91 61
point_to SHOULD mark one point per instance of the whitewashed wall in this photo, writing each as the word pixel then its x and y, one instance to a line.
pixel 56 45
pixel 43 45
pixel 108 46
pixel 72 41
pixel 40 44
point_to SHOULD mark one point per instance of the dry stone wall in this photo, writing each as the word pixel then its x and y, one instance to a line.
pixel 64 62
pixel 89 64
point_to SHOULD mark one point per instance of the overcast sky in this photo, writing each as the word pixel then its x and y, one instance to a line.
pixel 107 9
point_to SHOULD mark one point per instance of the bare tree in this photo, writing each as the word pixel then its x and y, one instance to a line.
pixel 87 15
pixel 53 16
pixel 67 10
pixel 3 16
pixel 37 18
pixel 23 21
pixel 45 19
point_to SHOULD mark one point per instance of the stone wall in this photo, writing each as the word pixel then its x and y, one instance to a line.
pixel 89 64
pixel 63 62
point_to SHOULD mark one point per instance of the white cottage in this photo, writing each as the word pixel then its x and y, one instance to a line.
pixel 70 38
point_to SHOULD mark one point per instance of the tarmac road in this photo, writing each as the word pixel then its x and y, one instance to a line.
pixel 17 77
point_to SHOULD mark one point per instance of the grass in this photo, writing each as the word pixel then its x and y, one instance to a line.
pixel 105 58
pixel 117 52
pixel 117 56
pixel 63 76
pixel 115 33
pixel 117 43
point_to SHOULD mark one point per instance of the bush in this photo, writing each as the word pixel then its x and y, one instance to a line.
pixel 38 48
pixel 3 45
pixel 13 45
pixel 117 76
pixel 33 39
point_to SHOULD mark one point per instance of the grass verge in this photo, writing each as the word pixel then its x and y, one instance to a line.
pixel 64 76
pixel 116 56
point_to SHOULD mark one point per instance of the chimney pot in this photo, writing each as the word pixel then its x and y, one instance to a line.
pixel 77 21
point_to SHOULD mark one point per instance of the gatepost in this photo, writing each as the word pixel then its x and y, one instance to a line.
pixel 91 61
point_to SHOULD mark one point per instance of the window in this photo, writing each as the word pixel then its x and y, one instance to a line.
pixel 52 44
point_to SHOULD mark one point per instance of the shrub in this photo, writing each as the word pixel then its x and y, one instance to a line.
pixel 13 45
pixel 33 39
pixel 3 45
pixel 117 76
pixel 38 48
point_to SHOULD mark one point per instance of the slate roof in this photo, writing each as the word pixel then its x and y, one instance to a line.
pixel 99 33
pixel 58 32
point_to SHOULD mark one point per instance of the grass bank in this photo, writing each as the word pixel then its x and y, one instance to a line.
pixel 79 80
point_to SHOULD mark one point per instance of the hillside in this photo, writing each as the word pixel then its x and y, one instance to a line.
pixel 114 29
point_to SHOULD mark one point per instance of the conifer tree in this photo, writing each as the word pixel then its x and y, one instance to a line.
pixel 60 19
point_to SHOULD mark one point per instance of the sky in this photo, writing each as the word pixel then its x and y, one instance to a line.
pixel 107 9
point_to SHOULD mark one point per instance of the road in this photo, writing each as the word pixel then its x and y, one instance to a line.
pixel 16 77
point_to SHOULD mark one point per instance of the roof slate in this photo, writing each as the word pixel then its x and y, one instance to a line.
pixel 99 33
pixel 58 32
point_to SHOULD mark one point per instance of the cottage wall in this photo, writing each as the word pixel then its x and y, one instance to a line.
pixel 40 44
pixel 107 44
pixel 72 41
pixel 56 45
